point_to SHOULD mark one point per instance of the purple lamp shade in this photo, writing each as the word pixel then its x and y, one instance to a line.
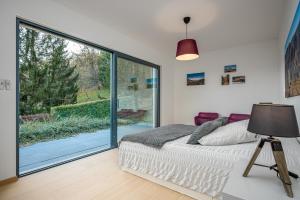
pixel 187 50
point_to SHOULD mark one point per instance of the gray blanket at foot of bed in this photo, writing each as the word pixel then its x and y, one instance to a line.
pixel 159 136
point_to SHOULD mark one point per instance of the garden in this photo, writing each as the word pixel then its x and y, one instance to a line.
pixel 66 121
pixel 65 89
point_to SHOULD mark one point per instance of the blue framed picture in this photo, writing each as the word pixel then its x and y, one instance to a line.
pixel 229 68
pixel 133 79
pixel 292 58
pixel 151 83
pixel 196 79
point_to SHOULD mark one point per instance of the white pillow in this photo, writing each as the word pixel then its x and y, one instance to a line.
pixel 233 133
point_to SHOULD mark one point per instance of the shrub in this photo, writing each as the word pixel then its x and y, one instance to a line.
pixel 92 109
pixel 35 131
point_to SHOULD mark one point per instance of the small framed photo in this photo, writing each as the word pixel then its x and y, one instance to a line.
pixel 133 80
pixel 229 68
pixel 238 79
pixel 151 83
pixel 225 79
pixel 195 79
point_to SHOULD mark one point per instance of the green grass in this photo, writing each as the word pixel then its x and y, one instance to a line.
pixel 92 95
pixel 34 132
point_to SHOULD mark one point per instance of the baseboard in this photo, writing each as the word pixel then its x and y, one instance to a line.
pixel 8 180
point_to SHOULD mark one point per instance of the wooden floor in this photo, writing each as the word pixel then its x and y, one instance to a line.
pixel 93 178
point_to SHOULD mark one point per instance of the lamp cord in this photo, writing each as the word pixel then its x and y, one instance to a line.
pixel 185 31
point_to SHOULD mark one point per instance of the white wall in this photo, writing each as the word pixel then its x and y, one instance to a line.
pixel 258 62
pixel 290 10
pixel 60 18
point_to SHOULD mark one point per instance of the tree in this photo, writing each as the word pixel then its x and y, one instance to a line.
pixel 104 69
pixel 94 68
pixel 46 76
pixel 87 65
pixel 32 72
pixel 62 78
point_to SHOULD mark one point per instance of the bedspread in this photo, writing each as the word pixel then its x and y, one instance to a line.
pixel 203 169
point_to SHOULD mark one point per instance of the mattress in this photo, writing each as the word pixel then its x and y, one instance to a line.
pixel 203 169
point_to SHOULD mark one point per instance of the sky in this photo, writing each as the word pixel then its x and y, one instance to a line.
pixel 74 47
pixel 195 76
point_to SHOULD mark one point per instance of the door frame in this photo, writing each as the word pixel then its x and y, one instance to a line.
pixel 113 74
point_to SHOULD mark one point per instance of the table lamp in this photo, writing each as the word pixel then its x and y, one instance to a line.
pixel 274 120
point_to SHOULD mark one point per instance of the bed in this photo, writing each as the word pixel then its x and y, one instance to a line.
pixel 197 171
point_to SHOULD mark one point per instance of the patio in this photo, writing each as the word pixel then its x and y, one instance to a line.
pixel 51 152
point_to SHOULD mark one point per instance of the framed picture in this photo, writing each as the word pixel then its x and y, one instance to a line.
pixel 133 84
pixel 225 79
pixel 195 79
pixel 238 79
pixel 133 80
pixel 229 68
pixel 151 83
pixel 292 58
pixel 134 87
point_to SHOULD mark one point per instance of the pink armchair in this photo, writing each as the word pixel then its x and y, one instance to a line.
pixel 233 117
pixel 204 117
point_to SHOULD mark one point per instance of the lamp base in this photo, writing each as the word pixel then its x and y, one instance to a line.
pixel 280 167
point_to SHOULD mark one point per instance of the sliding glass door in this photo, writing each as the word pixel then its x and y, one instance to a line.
pixel 76 98
pixel 64 99
pixel 137 97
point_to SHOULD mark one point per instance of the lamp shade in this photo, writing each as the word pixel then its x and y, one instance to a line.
pixel 187 50
pixel 273 120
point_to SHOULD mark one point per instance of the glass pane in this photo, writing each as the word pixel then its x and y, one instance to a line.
pixel 137 90
pixel 64 105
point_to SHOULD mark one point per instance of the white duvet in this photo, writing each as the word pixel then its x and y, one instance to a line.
pixel 203 169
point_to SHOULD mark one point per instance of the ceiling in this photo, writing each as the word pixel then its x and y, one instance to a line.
pixel 215 24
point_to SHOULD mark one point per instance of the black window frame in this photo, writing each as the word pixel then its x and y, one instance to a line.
pixel 115 54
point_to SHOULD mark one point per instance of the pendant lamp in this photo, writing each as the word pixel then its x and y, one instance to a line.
pixel 187 48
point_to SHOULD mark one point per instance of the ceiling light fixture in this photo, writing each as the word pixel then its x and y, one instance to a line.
pixel 187 48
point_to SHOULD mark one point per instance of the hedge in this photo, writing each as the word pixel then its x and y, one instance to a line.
pixel 35 131
pixel 92 109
